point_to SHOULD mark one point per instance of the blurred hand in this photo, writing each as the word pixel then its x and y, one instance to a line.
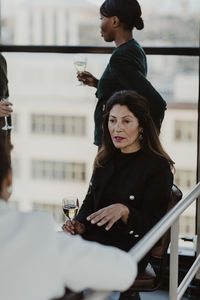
pixel 109 215
pixel 88 79
pixel 5 110
pixel 73 227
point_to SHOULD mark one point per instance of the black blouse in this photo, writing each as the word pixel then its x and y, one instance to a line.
pixel 142 181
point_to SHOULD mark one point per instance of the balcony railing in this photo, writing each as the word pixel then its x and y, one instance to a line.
pixel 180 51
pixel 170 220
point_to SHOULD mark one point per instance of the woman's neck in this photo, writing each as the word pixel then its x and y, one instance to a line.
pixel 131 149
pixel 123 37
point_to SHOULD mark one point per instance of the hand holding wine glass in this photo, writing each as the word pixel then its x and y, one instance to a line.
pixel 73 227
pixel 70 207
pixel 88 79
pixel 5 110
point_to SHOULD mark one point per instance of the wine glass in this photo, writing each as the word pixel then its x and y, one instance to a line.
pixel 6 127
pixel 70 207
pixel 80 62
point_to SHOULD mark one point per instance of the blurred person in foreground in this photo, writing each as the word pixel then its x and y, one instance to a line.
pixel 127 67
pixel 37 263
pixel 132 179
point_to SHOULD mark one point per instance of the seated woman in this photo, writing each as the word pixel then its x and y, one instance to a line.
pixel 132 178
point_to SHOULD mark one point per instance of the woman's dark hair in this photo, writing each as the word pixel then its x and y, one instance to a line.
pixel 5 161
pixel 139 106
pixel 128 11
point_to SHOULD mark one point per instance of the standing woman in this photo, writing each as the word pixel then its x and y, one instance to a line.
pixel 127 67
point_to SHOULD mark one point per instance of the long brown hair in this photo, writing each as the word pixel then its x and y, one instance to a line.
pixel 139 106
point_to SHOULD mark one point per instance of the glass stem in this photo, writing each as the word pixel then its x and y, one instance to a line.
pixel 6 122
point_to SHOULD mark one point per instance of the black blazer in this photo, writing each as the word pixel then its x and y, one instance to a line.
pixel 127 70
pixel 3 78
pixel 146 181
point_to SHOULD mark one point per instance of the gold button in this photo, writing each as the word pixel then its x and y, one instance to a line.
pixel 131 197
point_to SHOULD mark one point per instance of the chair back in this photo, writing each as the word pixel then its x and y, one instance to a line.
pixel 152 277
pixel 159 251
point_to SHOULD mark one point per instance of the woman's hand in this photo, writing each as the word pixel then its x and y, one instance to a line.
pixel 109 215
pixel 88 79
pixel 73 227
pixel 5 110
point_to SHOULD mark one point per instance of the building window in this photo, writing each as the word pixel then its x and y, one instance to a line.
pixel 187 225
pixel 54 170
pixel 185 131
pixel 54 28
pixel 185 179
pixel 55 209
pixel 54 124
pixel 43 35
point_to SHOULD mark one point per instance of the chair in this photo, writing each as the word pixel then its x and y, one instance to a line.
pixel 69 295
pixel 152 278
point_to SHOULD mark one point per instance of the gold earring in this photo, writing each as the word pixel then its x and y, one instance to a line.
pixel 140 137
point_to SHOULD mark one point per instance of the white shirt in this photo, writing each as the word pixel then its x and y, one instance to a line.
pixel 36 263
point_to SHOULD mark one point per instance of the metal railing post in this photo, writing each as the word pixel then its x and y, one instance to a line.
pixel 198 179
pixel 173 285
pixel 188 278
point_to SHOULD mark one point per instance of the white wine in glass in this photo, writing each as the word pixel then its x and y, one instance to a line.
pixel 80 63
pixel 70 207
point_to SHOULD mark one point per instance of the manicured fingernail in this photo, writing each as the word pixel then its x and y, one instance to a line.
pixel 88 218
pixel 99 224
pixel 92 221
